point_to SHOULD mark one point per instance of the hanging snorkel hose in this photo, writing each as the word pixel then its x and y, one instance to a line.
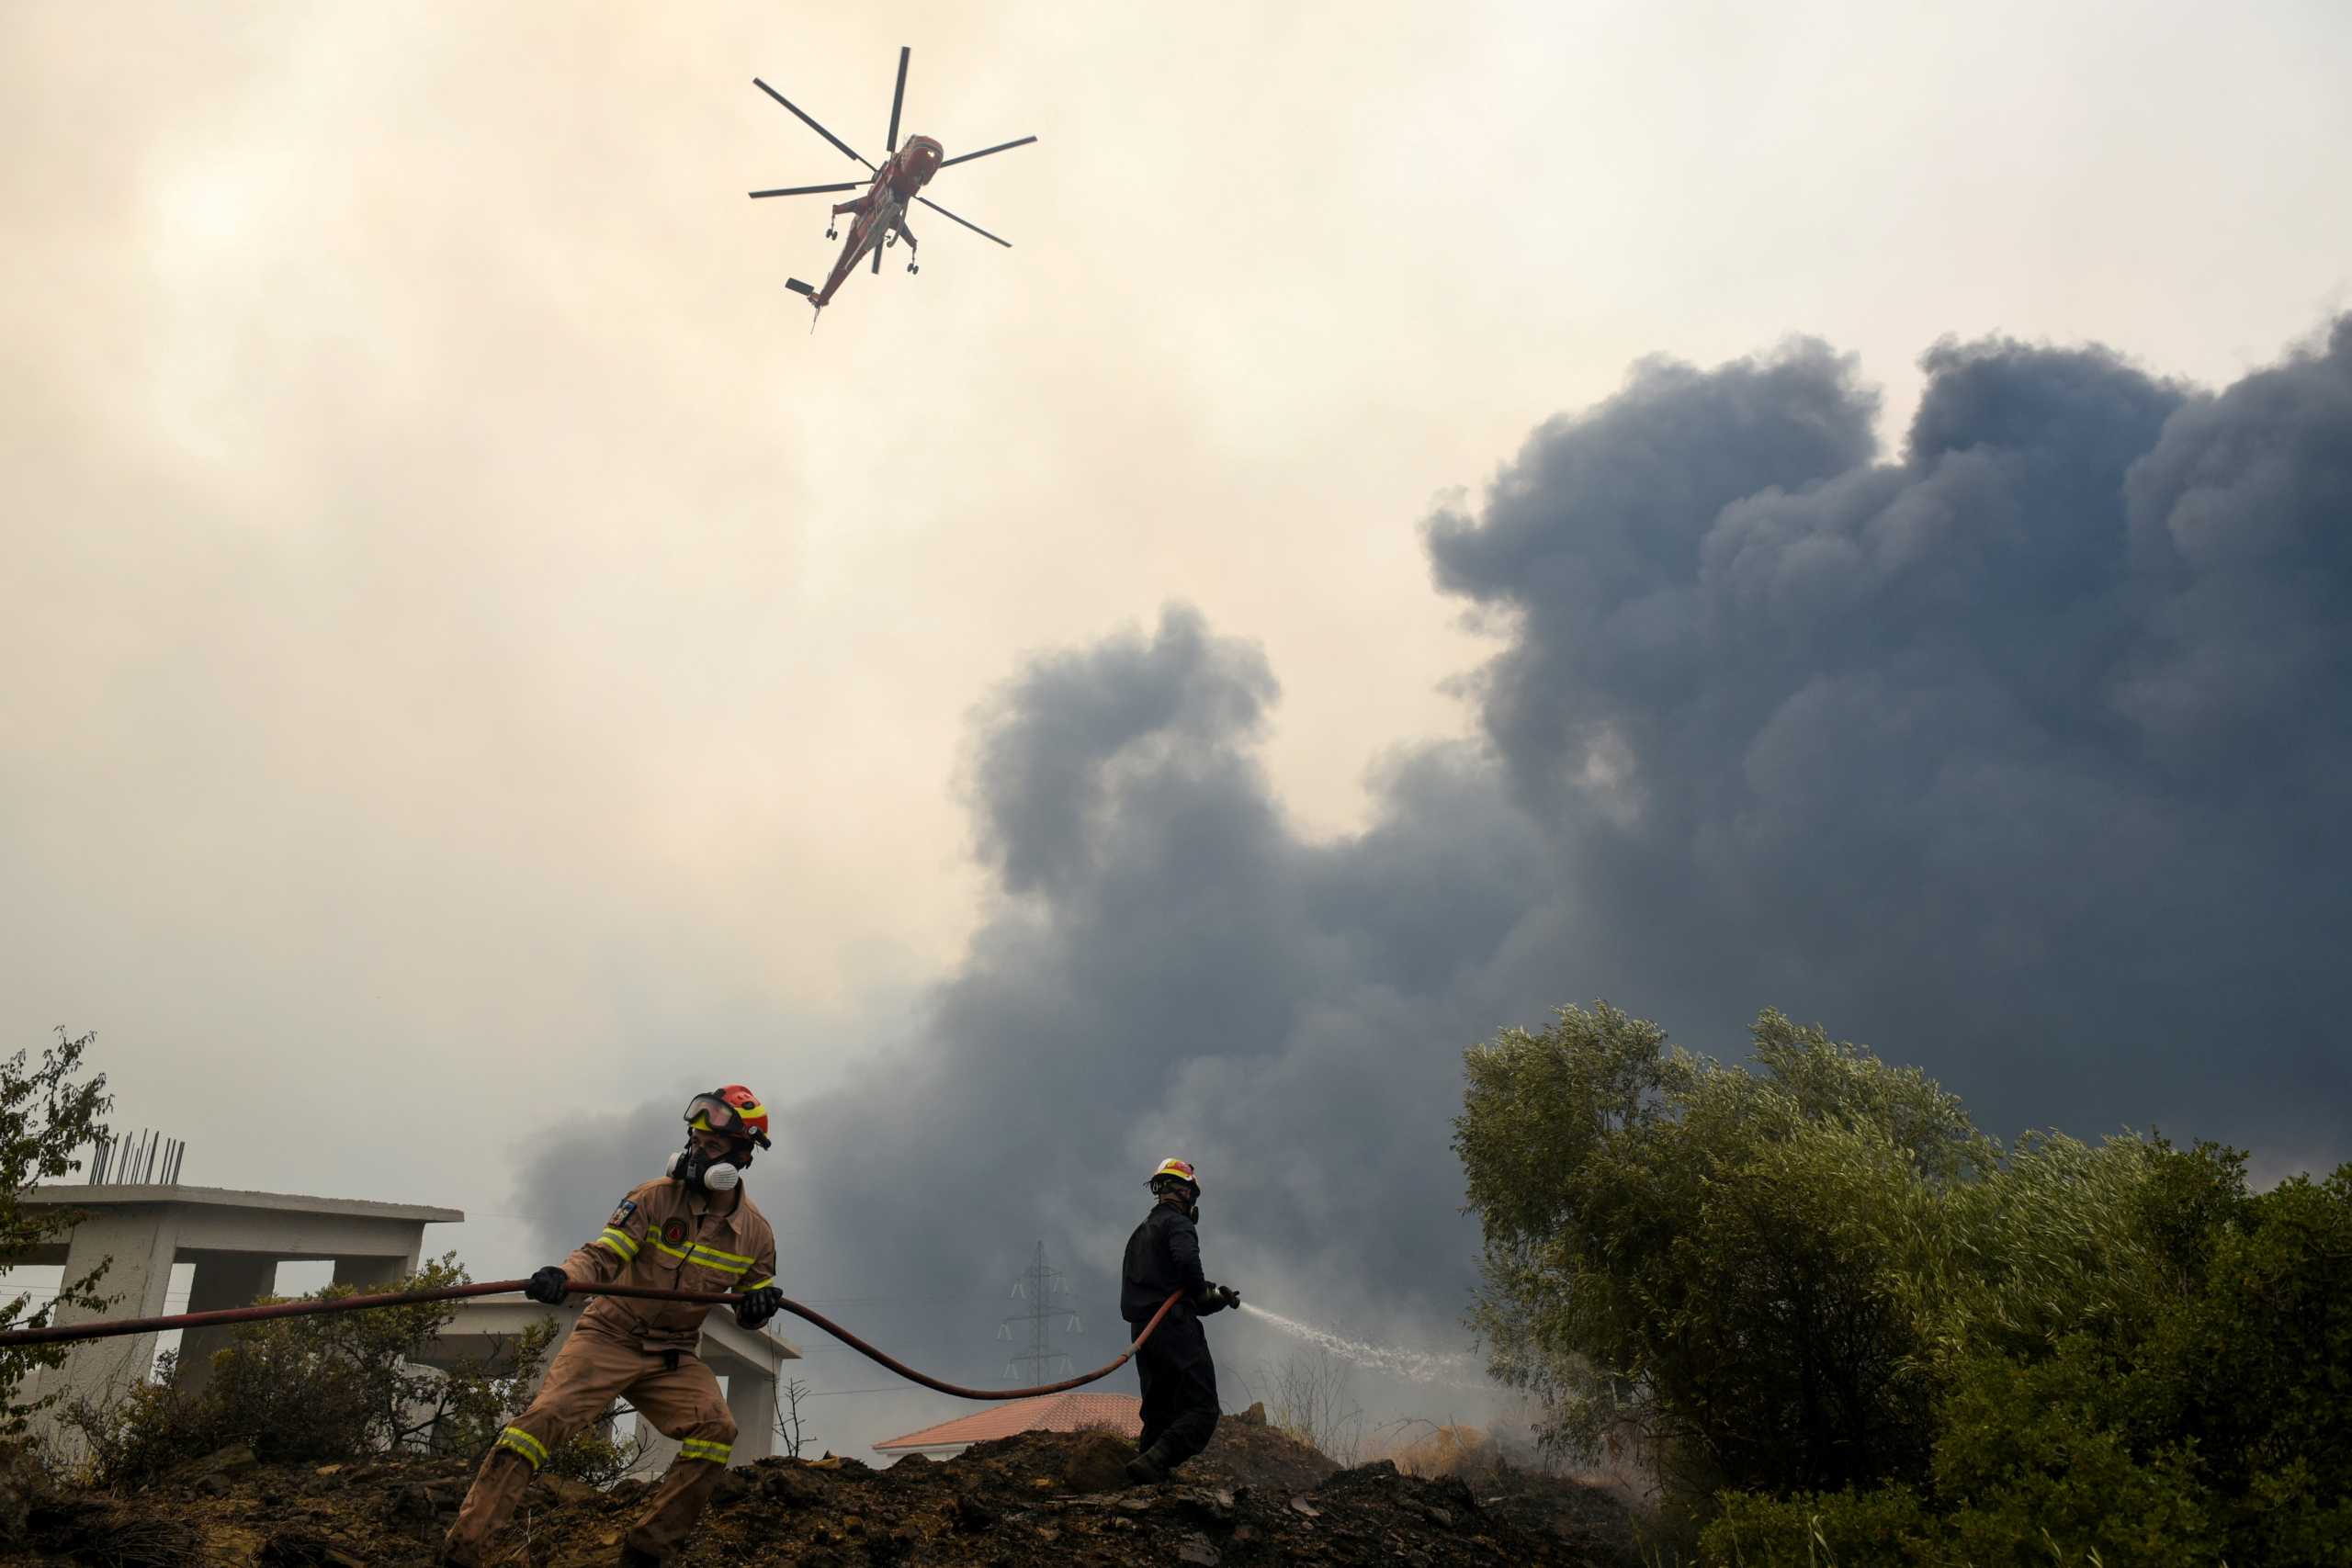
pixel 108 1328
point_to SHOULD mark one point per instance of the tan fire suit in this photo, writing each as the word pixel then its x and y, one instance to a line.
pixel 665 1234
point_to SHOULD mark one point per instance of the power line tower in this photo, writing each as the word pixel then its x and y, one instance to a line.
pixel 1039 1284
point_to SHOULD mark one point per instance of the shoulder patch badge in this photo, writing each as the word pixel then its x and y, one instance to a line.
pixel 621 1214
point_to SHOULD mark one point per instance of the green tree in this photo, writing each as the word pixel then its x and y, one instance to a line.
pixel 1710 1257
pixel 46 1114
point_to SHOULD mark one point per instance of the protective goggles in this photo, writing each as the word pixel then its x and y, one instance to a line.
pixel 708 1113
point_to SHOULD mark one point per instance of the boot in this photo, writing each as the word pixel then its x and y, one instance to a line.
pixel 1148 1468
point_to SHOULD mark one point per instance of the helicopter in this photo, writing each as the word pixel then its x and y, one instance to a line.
pixel 879 216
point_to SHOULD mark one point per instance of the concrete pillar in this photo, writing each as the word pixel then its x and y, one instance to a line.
pixel 137 1244
pixel 222 1280
pixel 750 1398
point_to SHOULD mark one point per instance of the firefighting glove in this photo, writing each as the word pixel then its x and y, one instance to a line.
pixel 1214 1298
pixel 548 1285
pixel 757 1306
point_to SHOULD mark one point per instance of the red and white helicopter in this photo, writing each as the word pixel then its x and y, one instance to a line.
pixel 878 218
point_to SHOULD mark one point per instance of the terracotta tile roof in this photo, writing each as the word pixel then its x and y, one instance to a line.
pixel 1123 1413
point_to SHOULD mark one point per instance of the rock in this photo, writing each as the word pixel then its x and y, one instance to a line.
pixel 566 1490
pixel 1253 1416
pixel 969 1513
pixel 1196 1549
pixel 1097 1461
pixel 221 1462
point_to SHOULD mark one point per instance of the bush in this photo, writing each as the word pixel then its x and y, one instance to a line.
pixel 334 1387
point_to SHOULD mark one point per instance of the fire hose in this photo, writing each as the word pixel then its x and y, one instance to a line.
pixel 107 1328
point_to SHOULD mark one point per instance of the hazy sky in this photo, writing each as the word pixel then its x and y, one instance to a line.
pixel 476 667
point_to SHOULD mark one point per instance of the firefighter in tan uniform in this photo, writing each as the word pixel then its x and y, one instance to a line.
pixel 695 1229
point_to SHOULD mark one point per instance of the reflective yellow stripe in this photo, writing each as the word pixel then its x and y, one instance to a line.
pixel 523 1443
pixel 703 1448
pixel 705 1259
pixel 761 1284
pixel 619 1242
pixel 739 1261
pixel 663 1246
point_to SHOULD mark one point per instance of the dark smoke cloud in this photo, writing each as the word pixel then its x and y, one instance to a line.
pixel 2024 755
pixel 2020 757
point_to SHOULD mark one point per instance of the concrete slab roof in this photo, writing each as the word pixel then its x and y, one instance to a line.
pixel 114 1194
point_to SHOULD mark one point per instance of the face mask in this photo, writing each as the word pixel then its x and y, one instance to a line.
pixel 696 1169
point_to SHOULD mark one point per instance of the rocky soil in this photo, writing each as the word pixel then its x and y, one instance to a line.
pixel 1254 1497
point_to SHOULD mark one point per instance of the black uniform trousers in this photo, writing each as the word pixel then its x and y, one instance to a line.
pixel 1180 1406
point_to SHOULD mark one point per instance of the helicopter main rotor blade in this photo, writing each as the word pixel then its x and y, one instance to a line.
pixel 810 190
pixel 968 157
pixel 811 124
pixel 898 97
pixel 966 221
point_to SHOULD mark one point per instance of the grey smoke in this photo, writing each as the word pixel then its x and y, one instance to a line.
pixel 2020 756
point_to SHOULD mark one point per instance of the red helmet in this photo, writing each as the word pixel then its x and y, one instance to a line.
pixel 733 1111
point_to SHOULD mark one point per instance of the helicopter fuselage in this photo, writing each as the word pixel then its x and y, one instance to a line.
pixel 882 209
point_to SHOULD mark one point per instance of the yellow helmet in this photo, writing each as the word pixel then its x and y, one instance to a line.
pixel 1181 1169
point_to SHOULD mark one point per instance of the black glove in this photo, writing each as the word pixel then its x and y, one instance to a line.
pixel 757 1306
pixel 1232 1297
pixel 548 1285
pixel 1214 1298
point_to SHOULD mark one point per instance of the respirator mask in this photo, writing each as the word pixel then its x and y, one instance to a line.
pixel 704 1173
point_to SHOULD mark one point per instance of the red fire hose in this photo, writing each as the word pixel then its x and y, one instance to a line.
pixel 111 1326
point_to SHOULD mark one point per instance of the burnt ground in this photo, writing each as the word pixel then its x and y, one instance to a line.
pixel 1256 1496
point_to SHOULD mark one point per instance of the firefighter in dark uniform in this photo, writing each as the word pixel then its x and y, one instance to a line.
pixel 1180 1406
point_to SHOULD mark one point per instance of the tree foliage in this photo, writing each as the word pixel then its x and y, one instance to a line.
pixel 47 1112
pixel 1708 1257
pixel 1815 1291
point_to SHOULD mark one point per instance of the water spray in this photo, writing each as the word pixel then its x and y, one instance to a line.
pixel 1444 1369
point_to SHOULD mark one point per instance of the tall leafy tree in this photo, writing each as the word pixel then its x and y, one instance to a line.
pixel 47 1112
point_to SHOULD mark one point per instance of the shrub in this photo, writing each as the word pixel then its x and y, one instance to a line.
pixel 333 1387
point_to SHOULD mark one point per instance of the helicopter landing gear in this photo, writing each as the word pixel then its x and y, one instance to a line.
pixel 831 233
pixel 912 267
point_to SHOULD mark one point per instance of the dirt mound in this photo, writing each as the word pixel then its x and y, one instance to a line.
pixel 1255 1496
